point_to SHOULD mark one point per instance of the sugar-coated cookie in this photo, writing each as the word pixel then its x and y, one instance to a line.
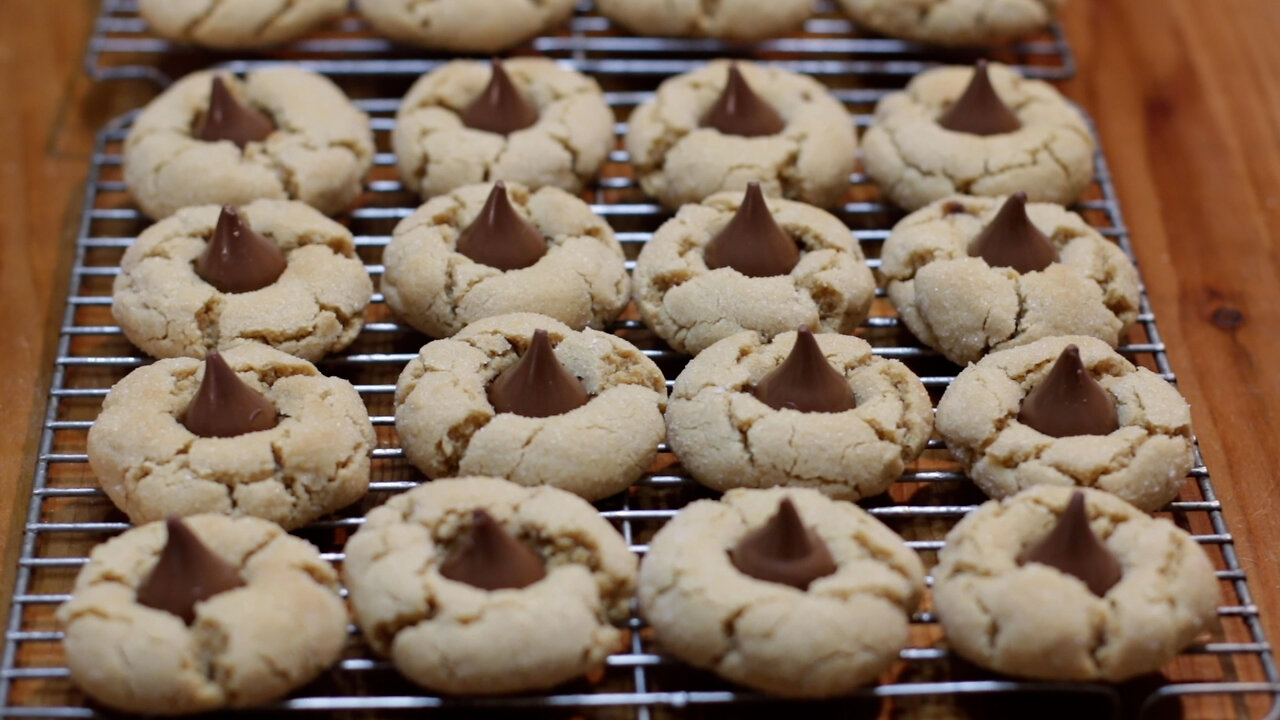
pixel 953 22
pixel 229 24
pixel 520 596
pixel 783 635
pixel 465 25
pixel 733 20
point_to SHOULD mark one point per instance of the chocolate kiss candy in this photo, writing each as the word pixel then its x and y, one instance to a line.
pixel 1068 401
pixel 752 243
pixel 1072 548
pixel 740 111
pixel 537 385
pixel 239 259
pixel 1012 241
pixel 499 237
pixel 805 381
pixel 488 557
pixel 499 108
pixel 783 551
pixel 224 406
pixel 186 573
pixel 980 111
pixel 229 119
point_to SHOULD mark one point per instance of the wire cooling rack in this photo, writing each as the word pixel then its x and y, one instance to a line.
pixel 1229 673
pixel 122 47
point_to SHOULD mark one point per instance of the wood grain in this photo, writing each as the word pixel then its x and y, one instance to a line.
pixel 1184 96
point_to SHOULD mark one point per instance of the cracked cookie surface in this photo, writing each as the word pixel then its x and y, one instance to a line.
pixel 237 23
pixel 1035 621
pixel 1145 461
pixel 827 640
pixel 436 153
pixel 315 461
pixel 953 22
pixel 691 306
pixel 726 437
pixel 319 152
pixel 733 20
pixel 964 308
pixel 452 637
pixel 246 646
pixel 448 426
pixel 465 25
pixel 679 162
pixel 581 280
pixel 916 161
pixel 315 307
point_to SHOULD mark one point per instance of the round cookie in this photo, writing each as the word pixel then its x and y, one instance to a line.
pixel 453 637
pixel 465 25
pixel 313 462
pixel 916 161
pixel 437 153
pixel 245 647
pixel 726 437
pixel 678 161
pixel 581 280
pixel 315 307
pixel 691 306
pixel 1033 620
pixel 733 20
pixel 1145 461
pixel 953 22
pixel 319 152
pixel 964 308
pixel 230 24
pixel 448 425
pixel 838 634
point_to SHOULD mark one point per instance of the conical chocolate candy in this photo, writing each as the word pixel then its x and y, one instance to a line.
pixel 499 237
pixel 186 573
pixel 488 557
pixel 499 108
pixel 783 551
pixel 805 381
pixel 224 406
pixel 238 259
pixel 752 243
pixel 229 119
pixel 537 385
pixel 740 111
pixel 1011 240
pixel 1068 401
pixel 980 111
pixel 1073 548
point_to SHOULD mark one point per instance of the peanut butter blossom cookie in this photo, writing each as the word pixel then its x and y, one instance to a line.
pixel 1068 411
pixel 953 22
pixel 734 20
pixel 524 120
pixel 781 590
pixel 273 271
pixel 727 124
pixel 280 133
pixel 978 131
pixel 802 410
pixel 740 262
pixel 478 586
pixel 485 250
pixel 526 398
pixel 970 275
pixel 1067 584
pixel 237 23
pixel 465 25
pixel 189 616
pixel 252 432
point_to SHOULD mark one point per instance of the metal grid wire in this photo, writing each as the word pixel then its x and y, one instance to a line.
pixel 122 47
pixel 1231 674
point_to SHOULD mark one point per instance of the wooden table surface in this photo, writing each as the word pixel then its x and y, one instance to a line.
pixel 1185 95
